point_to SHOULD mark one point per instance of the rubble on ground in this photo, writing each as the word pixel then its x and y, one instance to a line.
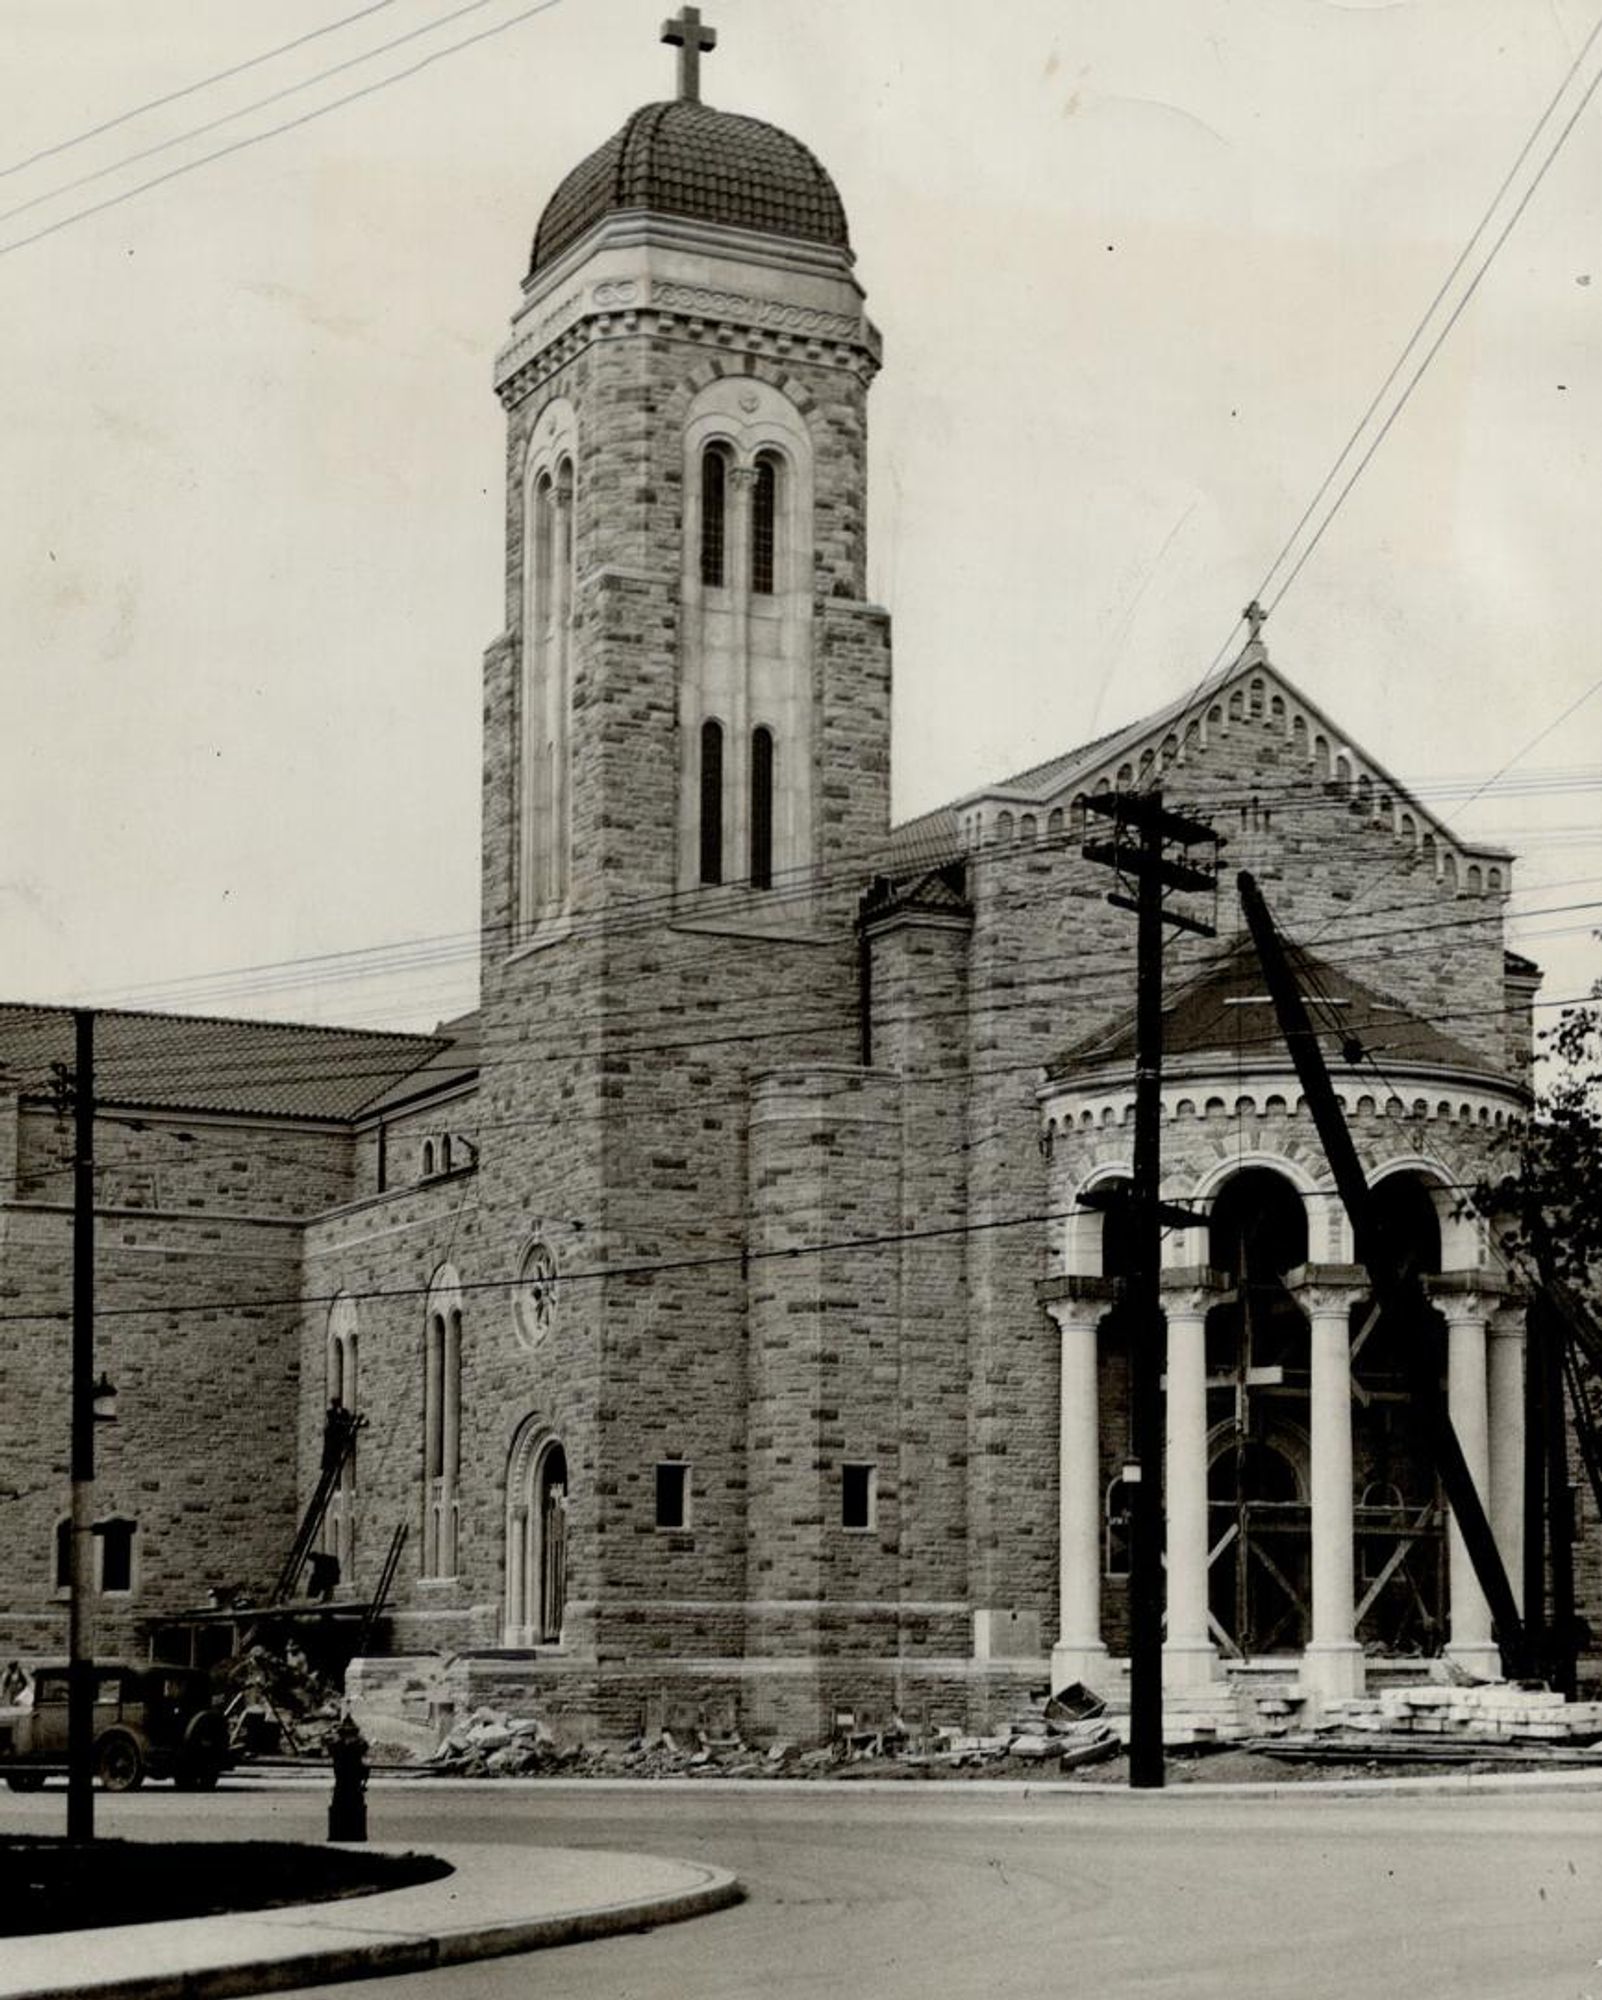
pixel 1043 1736
pixel 1440 1723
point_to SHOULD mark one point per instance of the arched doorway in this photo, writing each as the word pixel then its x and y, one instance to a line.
pixel 536 1539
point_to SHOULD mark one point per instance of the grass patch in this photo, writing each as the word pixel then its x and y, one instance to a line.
pixel 54 1885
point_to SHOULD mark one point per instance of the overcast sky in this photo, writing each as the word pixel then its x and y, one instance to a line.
pixel 1139 268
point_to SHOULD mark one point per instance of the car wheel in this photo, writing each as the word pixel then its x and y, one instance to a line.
pixel 25 1781
pixel 205 1751
pixel 119 1764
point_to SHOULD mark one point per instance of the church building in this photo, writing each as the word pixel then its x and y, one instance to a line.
pixel 727 1331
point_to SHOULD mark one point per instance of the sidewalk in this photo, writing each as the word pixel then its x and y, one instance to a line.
pixel 499 1900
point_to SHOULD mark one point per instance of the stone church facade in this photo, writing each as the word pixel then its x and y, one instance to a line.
pixel 727 1332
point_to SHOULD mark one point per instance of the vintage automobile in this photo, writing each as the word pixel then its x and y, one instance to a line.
pixel 149 1722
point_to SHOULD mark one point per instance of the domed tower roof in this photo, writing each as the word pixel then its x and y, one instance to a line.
pixel 683 158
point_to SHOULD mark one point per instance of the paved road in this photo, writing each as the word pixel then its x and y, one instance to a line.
pixel 920 1894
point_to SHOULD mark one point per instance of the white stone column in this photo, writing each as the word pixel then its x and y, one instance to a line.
pixel 1189 1657
pixel 1470 1643
pixel 1507 1441
pixel 1332 1666
pixel 1079 1654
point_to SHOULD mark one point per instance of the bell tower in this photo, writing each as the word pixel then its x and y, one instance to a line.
pixel 690 701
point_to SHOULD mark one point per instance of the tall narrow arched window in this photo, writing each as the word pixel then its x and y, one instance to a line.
pixel 711 801
pixel 549 535
pixel 764 525
pixel 442 1423
pixel 714 515
pixel 762 809
pixel 339 1523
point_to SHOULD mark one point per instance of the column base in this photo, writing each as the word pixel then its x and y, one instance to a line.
pixel 1480 1657
pixel 1333 1671
pixel 1189 1663
pixel 1088 1662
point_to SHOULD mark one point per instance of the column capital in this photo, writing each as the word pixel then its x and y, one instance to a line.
pixel 1327 1288
pixel 1071 1300
pixel 1464 1308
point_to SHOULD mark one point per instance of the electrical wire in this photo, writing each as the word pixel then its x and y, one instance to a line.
pixel 190 89
pixel 275 131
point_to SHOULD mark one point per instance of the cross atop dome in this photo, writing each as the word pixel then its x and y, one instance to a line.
pixel 685 33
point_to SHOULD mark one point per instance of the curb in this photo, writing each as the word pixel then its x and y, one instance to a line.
pixel 1587 1778
pixel 432 1949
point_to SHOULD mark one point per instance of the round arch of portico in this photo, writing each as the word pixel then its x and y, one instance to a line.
pixel 1463 1246
pixel 1082 1227
pixel 1326 1238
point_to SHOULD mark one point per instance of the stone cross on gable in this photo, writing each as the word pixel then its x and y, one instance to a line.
pixel 685 33
pixel 1256 617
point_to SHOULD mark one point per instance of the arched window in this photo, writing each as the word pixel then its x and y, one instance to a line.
pixel 542 860
pixel 745 639
pixel 714 515
pixel 442 1423
pixel 1117 1507
pixel 711 801
pixel 762 809
pixel 764 525
pixel 339 1524
pixel 116 1554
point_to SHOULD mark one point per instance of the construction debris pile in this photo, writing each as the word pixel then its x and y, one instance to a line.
pixel 1442 1724
pixel 278 1703
pixel 1046 1735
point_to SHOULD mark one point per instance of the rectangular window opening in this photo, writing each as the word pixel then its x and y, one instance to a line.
pixel 672 1494
pixel 859 1496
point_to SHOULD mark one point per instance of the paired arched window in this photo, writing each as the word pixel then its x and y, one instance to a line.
pixel 442 1425
pixel 746 806
pixel 759 818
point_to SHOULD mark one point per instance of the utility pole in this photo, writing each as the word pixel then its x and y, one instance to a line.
pixel 1143 831
pixel 80 1633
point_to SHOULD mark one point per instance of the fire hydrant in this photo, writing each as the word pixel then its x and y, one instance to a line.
pixel 347 1809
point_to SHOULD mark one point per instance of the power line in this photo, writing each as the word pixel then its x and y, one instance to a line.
pixel 274 131
pixel 1412 342
pixel 244 111
pixel 190 89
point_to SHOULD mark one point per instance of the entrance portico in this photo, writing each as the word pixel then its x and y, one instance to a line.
pixel 1303 1516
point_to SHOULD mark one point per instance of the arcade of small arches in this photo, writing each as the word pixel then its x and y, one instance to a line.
pixel 1181 1102
pixel 1302 1508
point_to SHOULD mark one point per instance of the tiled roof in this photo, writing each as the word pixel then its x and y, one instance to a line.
pixel 683 158
pixel 1225 1012
pixel 453 1064
pixel 198 1063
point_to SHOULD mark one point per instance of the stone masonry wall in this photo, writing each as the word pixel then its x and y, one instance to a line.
pixel 198 1330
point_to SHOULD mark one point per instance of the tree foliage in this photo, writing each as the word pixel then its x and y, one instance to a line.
pixel 1548 1214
